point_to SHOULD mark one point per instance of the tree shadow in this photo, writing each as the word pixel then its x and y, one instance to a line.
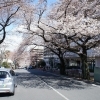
pixel 30 81
pixel 38 79
pixel 65 83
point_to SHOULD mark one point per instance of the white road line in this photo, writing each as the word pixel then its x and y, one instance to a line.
pixel 53 89
pixel 95 85
pixel 59 93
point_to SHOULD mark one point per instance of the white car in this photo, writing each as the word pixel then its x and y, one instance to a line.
pixel 7 81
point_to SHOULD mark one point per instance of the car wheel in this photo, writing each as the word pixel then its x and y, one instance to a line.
pixel 15 85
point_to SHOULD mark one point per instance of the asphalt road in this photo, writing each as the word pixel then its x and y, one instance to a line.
pixel 39 85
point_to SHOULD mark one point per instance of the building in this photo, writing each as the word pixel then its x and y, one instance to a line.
pixel 71 59
pixel 24 60
pixel 36 55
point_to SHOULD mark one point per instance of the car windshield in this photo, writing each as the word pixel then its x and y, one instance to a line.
pixel 3 74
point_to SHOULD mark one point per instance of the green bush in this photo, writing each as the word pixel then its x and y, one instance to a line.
pixel 5 64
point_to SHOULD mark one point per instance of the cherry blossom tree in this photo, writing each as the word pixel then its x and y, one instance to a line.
pixel 83 27
pixel 75 20
pixel 7 11
pixel 10 10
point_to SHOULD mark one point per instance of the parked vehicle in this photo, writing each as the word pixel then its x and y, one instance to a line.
pixel 30 67
pixel 21 67
pixel 7 81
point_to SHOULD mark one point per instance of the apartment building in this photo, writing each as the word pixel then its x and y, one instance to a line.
pixel 36 55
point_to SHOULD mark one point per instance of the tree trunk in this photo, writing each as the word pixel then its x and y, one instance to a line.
pixel 84 67
pixel 62 67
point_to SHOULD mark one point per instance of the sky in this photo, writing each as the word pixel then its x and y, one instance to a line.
pixel 51 1
pixel 12 38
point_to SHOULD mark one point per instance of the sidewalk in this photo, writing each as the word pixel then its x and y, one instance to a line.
pixel 91 81
pixel 74 77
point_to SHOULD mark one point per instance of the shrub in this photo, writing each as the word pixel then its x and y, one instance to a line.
pixel 5 64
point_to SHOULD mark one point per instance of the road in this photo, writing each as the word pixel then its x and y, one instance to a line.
pixel 39 85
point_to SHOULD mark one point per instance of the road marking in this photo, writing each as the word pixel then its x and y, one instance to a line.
pixel 95 85
pixel 70 78
pixel 54 89
pixel 59 93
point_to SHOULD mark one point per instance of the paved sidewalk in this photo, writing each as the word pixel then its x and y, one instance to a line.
pixel 57 72
pixel 91 81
